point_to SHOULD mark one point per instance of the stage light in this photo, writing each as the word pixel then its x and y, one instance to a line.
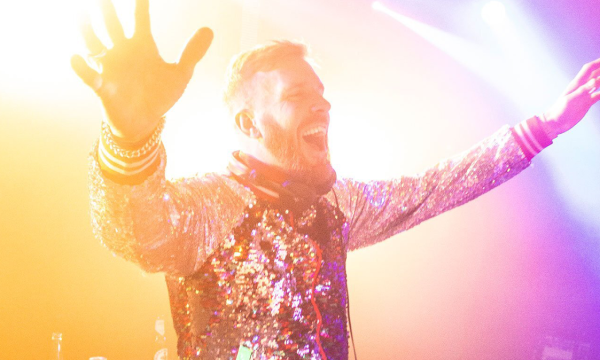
pixel 494 13
pixel 467 53
pixel 377 6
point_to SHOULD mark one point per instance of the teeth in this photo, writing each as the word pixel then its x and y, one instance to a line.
pixel 317 130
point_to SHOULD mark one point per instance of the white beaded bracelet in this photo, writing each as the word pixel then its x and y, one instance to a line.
pixel 109 140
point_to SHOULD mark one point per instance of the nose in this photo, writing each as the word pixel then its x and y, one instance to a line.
pixel 321 104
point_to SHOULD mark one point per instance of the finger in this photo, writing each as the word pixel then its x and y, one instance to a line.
pixel 90 77
pixel 595 90
pixel 142 17
pixel 584 93
pixel 195 49
pixel 595 74
pixel 113 26
pixel 588 71
pixel 589 68
pixel 92 42
pixel 591 86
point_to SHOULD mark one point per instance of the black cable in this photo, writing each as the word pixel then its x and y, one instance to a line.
pixel 337 204
pixel 349 321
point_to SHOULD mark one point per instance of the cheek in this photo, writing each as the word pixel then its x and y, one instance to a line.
pixel 292 117
pixel 287 120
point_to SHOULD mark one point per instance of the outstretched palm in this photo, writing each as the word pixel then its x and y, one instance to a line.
pixel 135 84
pixel 581 94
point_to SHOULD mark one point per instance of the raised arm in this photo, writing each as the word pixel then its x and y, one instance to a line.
pixel 136 213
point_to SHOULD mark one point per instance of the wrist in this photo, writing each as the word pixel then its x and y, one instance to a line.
pixel 129 166
pixel 549 127
pixel 531 136
pixel 129 148
pixel 130 141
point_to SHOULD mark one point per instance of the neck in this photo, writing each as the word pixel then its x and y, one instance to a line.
pixel 270 172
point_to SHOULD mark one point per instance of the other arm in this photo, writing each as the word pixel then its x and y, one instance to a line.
pixel 380 209
pixel 377 210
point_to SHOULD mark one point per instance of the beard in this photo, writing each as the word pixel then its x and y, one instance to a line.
pixel 284 147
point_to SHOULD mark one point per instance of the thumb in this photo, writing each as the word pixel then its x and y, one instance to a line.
pixel 195 49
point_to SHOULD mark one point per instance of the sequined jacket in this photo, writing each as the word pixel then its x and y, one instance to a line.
pixel 245 275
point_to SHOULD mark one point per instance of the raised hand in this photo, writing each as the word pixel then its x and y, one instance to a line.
pixel 575 102
pixel 136 86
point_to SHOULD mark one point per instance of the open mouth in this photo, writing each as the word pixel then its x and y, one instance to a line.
pixel 316 136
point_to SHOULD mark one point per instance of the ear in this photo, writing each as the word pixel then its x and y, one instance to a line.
pixel 244 120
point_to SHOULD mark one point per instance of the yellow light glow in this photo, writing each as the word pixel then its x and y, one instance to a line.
pixel 39 37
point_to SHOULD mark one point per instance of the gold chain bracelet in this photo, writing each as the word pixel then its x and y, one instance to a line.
pixel 109 140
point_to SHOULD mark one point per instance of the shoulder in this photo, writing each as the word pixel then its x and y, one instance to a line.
pixel 212 185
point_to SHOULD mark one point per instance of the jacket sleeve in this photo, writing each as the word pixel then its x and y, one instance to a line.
pixel 379 209
pixel 163 225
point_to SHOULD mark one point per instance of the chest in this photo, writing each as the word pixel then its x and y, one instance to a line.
pixel 275 254
pixel 275 283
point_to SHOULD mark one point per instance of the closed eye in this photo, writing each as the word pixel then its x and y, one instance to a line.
pixel 293 96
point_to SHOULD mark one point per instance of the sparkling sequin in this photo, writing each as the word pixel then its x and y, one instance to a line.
pixel 243 272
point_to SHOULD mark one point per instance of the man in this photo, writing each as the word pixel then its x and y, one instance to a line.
pixel 255 258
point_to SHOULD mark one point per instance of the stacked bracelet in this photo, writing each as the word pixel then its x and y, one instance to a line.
pixel 125 166
pixel 108 138
pixel 531 136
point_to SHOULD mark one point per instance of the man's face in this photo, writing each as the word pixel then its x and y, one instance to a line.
pixel 293 118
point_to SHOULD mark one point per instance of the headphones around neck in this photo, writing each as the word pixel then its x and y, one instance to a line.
pixel 274 184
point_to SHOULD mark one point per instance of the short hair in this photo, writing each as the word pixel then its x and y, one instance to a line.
pixel 261 58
